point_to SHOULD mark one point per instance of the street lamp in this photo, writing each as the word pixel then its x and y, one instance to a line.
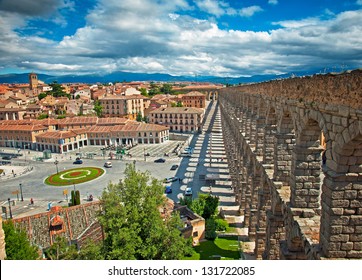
pixel 56 164
pixel 11 215
pixel 144 153
pixel 21 191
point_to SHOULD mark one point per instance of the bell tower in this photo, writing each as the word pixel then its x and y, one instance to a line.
pixel 33 81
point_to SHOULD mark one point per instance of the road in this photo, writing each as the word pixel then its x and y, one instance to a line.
pixel 208 158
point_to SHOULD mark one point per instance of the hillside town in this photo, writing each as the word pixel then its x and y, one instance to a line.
pixel 65 117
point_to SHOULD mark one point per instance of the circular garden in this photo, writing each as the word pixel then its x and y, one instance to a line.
pixel 74 176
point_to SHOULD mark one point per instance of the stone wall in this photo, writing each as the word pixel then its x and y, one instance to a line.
pixel 296 205
pixel 330 89
pixel 75 223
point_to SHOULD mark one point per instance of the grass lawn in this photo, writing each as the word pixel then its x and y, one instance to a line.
pixel 74 176
pixel 226 247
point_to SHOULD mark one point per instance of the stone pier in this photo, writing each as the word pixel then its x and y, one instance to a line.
pixel 295 147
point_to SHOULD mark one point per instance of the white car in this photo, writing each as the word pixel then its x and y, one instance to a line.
pixel 108 164
pixel 188 191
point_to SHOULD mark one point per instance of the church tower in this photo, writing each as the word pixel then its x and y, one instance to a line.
pixel 33 81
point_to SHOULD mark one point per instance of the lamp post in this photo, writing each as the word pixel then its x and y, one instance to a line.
pixel 56 164
pixel 11 214
pixel 144 153
pixel 21 191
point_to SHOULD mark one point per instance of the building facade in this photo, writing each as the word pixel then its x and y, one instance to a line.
pixel 65 135
pixel 179 119
pixel 194 99
pixel 122 106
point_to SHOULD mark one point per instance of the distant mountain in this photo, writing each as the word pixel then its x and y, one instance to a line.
pixel 120 76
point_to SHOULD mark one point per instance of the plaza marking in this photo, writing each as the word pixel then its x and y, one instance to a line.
pixel 75 178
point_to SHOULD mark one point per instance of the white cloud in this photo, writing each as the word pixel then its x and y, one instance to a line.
pixel 125 35
pixel 273 2
pixel 214 7
pixel 359 2
pixel 250 11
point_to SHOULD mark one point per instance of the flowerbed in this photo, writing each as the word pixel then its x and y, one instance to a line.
pixel 74 176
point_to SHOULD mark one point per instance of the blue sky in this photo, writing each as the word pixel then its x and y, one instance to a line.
pixel 180 37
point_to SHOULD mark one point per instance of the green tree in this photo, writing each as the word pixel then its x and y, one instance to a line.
pixel 42 95
pixel 139 117
pixel 131 219
pixel 179 104
pixel 61 250
pixel 98 108
pixel 166 89
pixel 57 90
pixel 17 245
pixel 42 116
pixel 144 92
pixel 205 205
pixel 154 89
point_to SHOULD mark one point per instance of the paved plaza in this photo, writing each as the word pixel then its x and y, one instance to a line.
pixel 206 171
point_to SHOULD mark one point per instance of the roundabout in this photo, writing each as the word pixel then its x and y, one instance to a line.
pixel 74 176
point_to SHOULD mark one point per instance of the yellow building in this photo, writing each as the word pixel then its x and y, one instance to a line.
pixel 122 106
pixel 180 119
pixel 194 99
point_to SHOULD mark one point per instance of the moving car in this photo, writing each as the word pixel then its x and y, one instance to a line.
pixel 78 161
pixel 185 154
pixel 168 189
pixel 160 160
pixel 170 179
pixel 108 164
pixel 174 167
pixel 188 191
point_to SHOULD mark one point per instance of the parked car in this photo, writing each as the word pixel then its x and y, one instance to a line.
pixel 188 191
pixel 78 161
pixel 170 179
pixel 7 157
pixel 185 154
pixel 168 189
pixel 174 167
pixel 108 164
pixel 160 160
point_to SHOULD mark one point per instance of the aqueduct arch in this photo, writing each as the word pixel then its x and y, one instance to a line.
pixel 293 206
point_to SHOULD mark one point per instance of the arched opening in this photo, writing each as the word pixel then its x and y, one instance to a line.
pixel 283 147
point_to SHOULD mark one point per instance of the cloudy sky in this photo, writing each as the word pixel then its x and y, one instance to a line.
pixel 180 37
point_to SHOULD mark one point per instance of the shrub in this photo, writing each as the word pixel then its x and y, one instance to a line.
pixel 221 225
pixel 210 233
pixel 77 197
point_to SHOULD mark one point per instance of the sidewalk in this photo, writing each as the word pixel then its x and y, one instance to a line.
pixel 13 171
pixel 20 209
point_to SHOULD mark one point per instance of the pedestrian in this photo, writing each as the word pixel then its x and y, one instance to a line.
pixel 31 201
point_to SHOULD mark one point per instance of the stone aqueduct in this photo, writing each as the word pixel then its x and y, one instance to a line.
pixel 296 205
